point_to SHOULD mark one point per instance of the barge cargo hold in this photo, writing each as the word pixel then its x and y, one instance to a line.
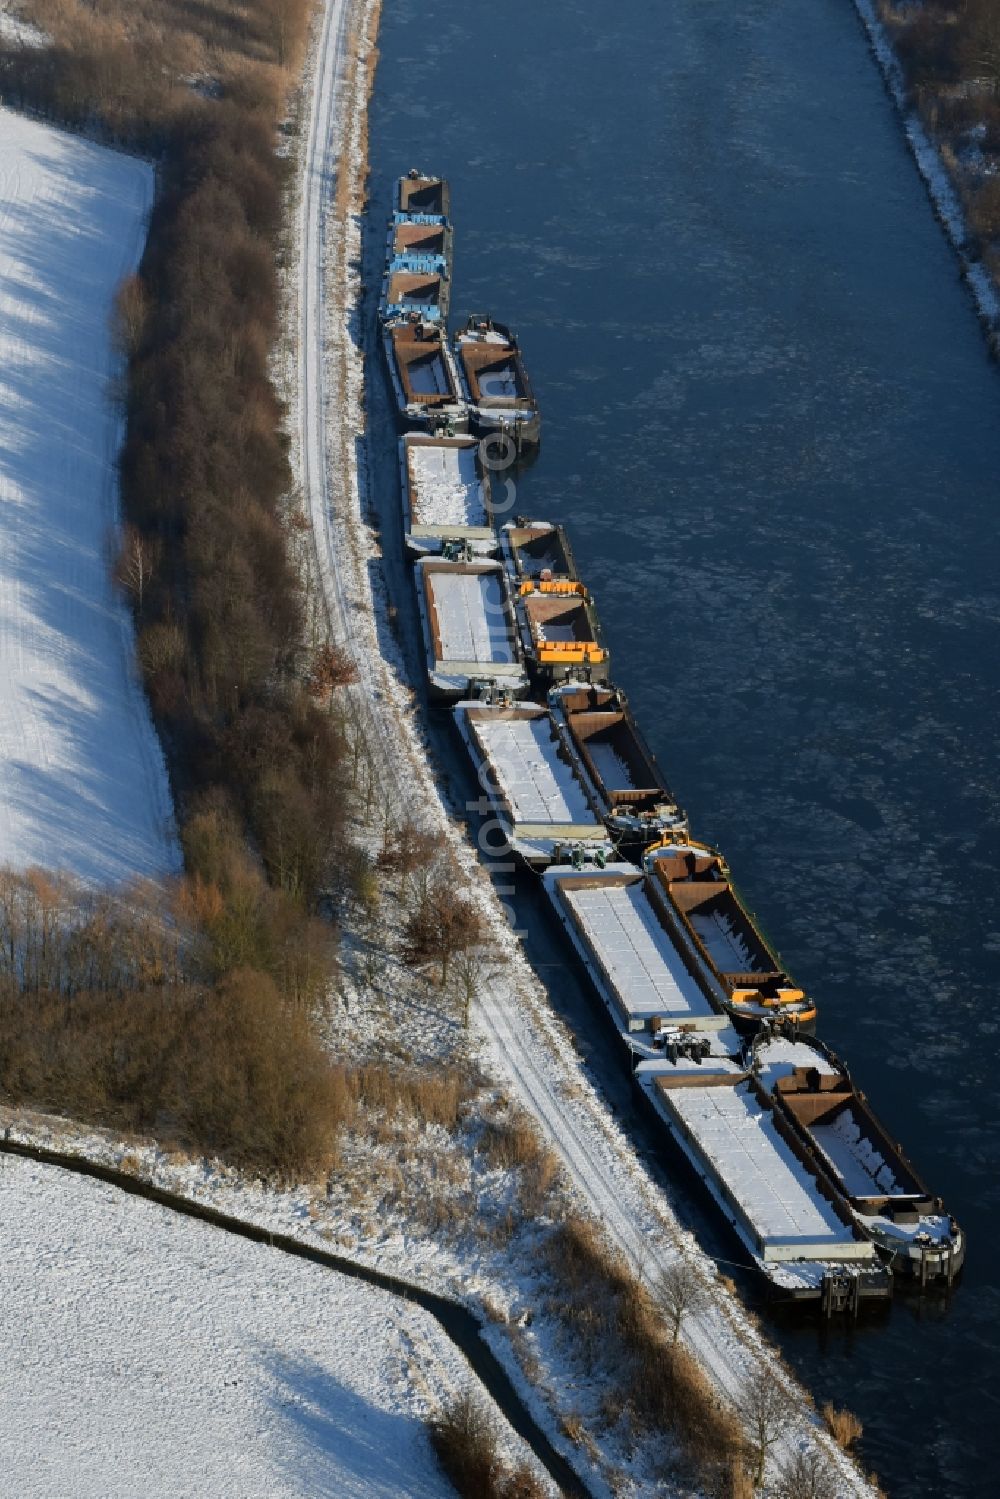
pixel 537 552
pixel 468 628
pixel 560 633
pixel 644 981
pixel 716 928
pixel 604 741
pixel 446 495
pixel 544 810
pixel 495 383
pixel 417 285
pixel 423 375
pixel 432 239
pixel 424 197
pixel 813 1091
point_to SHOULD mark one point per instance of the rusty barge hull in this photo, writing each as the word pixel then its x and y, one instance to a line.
pixel 604 740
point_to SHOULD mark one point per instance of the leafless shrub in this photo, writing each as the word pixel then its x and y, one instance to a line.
pixel 767 1409
pixel 464 1436
pixel 130 315
pixel 983 210
pixel 679 1289
pixel 807 1476
pixel 521 1483
pixel 409 847
pixel 443 924
pixel 465 1439
pixel 331 668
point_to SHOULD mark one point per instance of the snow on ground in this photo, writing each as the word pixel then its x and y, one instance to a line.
pixel 145 1353
pixel 82 782
pixel 13 28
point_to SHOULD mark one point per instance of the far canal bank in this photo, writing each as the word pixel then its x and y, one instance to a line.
pixel 772 426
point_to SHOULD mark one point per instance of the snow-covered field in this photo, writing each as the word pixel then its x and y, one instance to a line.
pixel 82 781
pixel 148 1354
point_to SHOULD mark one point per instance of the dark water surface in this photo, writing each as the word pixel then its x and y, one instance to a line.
pixel 771 424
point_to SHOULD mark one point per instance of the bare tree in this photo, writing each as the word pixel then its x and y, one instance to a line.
pixel 767 1410
pixel 678 1290
pixel 470 969
pixel 442 925
pixel 807 1476
pixel 136 562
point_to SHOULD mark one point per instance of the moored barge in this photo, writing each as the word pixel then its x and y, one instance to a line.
pixel 833 1120
pixel 644 980
pixel 416 286
pixel 468 628
pixel 545 811
pixel 711 921
pixel 421 237
pixel 536 551
pixel 603 739
pixel 798 1232
pixel 426 199
pixel 495 383
pixel 560 632
pixel 423 375
pixel 446 495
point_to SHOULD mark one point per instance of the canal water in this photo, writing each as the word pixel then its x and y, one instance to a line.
pixel 771 425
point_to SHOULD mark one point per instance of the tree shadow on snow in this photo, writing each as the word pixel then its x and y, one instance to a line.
pixel 333 1443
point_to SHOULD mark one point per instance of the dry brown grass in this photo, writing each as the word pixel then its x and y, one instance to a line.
pixel 611 1314
pixel 737 1482
pixel 434 1097
pixel 843 1425
pixel 514 1144
pixel 465 1439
